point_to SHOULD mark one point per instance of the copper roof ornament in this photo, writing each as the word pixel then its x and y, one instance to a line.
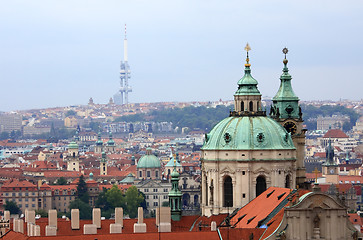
pixel 285 51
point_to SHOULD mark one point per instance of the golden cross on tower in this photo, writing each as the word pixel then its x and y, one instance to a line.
pixel 316 171
pixel 247 48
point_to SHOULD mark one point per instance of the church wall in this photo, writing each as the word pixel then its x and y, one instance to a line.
pixel 249 154
pixel 243 175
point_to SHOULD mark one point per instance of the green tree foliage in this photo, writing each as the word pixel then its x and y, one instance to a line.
pixel 133 200
pixel 82 190
pixel 71 113
pixel 310 114
pixel 95 126
pixel 61 181
pixel 42 213
pixel 85 211
pixel 102 203
pixel 115 197
pixel 4 135
pixel 12 207
pixel 192 117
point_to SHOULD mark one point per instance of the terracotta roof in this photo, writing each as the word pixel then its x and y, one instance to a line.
pixel 312 175
pixel 11 235
pixel 17 183
pixel 320 154
pixel 355 219
pixel 335 133
pixel 259 208
pixel 351 179
pixel 55 173
pixel 343 188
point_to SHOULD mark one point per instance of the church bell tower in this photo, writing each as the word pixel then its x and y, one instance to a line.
pixel 287 111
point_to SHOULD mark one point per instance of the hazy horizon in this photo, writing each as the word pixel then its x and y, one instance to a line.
pixel 61 53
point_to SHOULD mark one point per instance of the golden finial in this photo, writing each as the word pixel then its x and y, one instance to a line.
pixel 285 51
pixel 247 49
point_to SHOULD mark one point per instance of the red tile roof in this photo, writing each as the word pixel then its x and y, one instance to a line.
pixel 355 219
pixel 259 208
pixel 335 133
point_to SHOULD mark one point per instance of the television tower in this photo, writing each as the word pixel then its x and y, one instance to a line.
pixel 125 75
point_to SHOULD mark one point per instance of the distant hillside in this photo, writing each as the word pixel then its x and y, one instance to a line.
pixel 310 114
pixel 204 118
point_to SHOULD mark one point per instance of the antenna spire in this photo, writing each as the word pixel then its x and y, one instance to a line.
pixel 125 31
pixel 125 46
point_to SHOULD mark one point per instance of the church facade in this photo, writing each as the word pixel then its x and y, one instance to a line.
pixel 248 151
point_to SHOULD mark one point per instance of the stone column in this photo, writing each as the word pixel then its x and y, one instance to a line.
pixel 213 226
pixel 234 189
pixel 30 216
pixel 140 226
pixel 203 189
pixel 96 217
pixel 75 219
pixel 220 195
pixel 238 188
pixel 7 215
pixel 15 225
pixel 119 216
pixel 52 218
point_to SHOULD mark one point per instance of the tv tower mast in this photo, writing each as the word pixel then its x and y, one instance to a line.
pixel 125 75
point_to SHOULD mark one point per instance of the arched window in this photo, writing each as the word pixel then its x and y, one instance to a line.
pixel 196 200
pixel 251 106
pixel 186 199
pixel 74 154
pixel 242 106
pixel 287 181
pixel 260 185
pixel 228 192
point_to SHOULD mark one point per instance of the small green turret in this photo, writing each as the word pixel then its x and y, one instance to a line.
pixel 110 142
pixel 285 102
pixel 175 196
pixel 99 140
pixel 104 158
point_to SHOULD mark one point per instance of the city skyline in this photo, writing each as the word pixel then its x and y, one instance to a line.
pixel 63 53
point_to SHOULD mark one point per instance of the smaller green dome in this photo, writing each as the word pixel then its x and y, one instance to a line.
pixel 99 141
pixel 149 160
pixel 247 85
pixel 73 145
pixel 174 174
pixel 110 142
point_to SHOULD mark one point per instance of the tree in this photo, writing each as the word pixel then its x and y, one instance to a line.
pixel 42 213
pixel 82 190
pixel 115 197
pixel 70 113
pixel 85 211
pixel 102 203
pixel 61 181
pixel 4 135
pixel 133 200
pixel 12 207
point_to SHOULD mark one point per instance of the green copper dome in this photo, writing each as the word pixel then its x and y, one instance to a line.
pixel 149 160
pixel 247 85
pixel 248 133
pixel 110 142
pixel 73 145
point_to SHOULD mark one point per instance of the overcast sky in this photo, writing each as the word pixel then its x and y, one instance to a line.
pixel 59 53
